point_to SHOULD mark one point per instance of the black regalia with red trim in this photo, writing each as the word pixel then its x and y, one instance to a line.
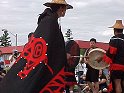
pixel 115 55
pixel 40 67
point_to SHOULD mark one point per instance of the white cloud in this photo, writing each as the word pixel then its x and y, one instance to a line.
pixel 107 33
pixel 79 4
pixel 89 18
pixel 4 2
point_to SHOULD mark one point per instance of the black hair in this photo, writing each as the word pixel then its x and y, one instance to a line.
pixel 93 39
pixel 47 11
pixel 55 7
pixel 16 53
pixel 30 34
pixel 118 30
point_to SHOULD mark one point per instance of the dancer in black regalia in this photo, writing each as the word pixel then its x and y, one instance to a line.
pixel 41 65
pixel 115 57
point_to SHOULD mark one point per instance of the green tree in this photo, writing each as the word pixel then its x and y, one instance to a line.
pixel 4 39
pixel 68 35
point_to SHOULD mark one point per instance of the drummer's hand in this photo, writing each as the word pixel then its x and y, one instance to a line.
pixel 85 60
pixel 99 59
pixel 68 56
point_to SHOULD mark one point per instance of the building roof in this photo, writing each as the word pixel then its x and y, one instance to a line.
pixel 82 44
pixel 9 50
pixel 86 44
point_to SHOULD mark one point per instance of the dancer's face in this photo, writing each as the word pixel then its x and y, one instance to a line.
pixel 62 11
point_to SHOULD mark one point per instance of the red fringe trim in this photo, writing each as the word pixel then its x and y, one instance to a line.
pixel 114 67
pixel 113 50
pixel 107 59
pixel 110 88
pixel 117 67
pixel 53 83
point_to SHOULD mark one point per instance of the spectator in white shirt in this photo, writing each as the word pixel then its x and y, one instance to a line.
pixel 81 70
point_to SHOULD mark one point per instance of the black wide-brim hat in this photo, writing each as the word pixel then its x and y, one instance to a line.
pixel 58 2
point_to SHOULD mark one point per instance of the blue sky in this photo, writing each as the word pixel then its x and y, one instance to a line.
pixel 89 18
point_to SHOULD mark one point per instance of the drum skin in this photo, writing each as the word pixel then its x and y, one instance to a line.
pixel 95 58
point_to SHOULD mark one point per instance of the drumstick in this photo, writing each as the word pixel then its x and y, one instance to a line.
pixel 81 56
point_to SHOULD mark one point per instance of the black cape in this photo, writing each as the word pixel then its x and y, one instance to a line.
pixel 40 67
